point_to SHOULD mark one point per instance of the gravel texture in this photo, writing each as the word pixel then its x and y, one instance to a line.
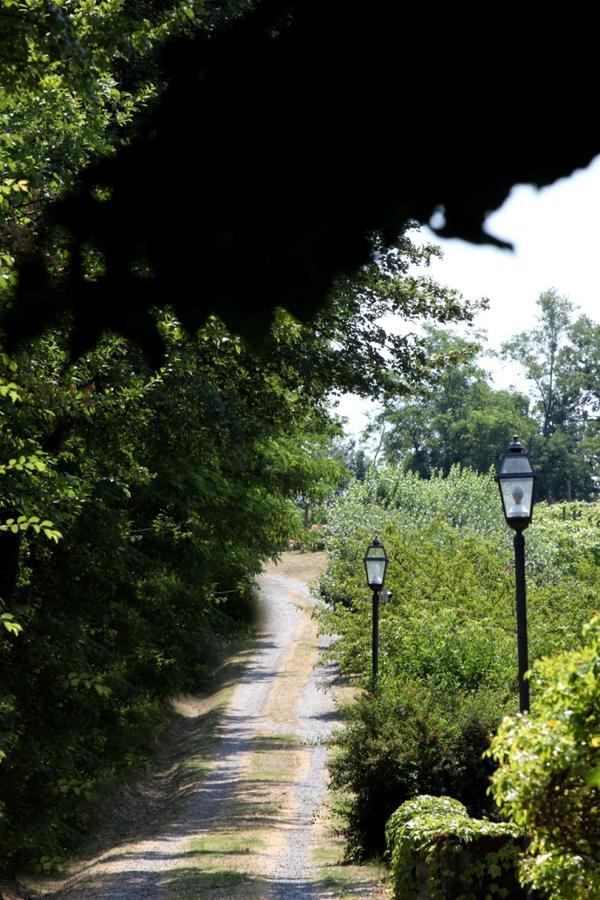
pixel 145 868
pixel 294 873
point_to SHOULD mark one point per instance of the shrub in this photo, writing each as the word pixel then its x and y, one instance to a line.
pixel 548 780
pixel 448 668
pixel 408 740
pixel 436 850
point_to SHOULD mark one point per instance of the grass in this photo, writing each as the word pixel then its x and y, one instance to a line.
pixel 258 812
pixel 273 757
pixel 217 863
pixel 325 853
pixel 267 775
pixel 334 872
pixel 220 843
pixel 266 742
pixel 189 884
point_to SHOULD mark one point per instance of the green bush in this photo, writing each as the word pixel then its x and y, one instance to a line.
pixel 410 739
pixel 448 667
pixel 548 780
pixel 437 851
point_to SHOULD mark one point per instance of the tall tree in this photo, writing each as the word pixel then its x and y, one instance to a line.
pixel 542 353
pixel 456 418
pixel 561 361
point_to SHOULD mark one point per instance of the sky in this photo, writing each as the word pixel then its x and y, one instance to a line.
pixel 555 233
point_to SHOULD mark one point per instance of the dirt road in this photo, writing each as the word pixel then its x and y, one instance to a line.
pixel 246 813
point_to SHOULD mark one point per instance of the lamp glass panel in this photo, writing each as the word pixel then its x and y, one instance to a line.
pixel 375 570
pixel 517 494
pixel 515 463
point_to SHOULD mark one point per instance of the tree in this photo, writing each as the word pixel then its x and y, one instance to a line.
pixel 169 489
pixel 353 456
pixel 347 349
pixel 75 78
pixel 169 484
pixel 277 223
pixel 456 418
pixel 541 352
pixel 561 360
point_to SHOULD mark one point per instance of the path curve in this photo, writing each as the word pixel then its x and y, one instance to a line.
pixel 249 826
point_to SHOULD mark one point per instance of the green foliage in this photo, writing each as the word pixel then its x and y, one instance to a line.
pixel 437 850
pixel 463 499
pixel 8 620
pixel 138 504
pixel 456 418
pixel 448 670
pixel 548 779
pixel 560 360
pixel 346 346
pixel 24 523
pixel 168 490
pixel 73 78
pixel 413 737
pixel 309 539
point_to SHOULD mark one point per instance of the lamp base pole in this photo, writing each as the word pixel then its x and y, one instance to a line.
pixel 519 543
pixel 375 641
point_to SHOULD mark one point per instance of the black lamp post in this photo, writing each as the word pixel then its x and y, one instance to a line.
pixel 375 566
pixel 516 478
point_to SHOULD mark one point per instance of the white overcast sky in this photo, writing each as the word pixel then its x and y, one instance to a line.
pixel 555 232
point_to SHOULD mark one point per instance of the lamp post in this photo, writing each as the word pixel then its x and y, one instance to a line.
pixel 375 566
pixel 515 477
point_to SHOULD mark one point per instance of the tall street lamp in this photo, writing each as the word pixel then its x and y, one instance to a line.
pixel 375 566
pixel 515 477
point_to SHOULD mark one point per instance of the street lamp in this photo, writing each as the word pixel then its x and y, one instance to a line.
pixel 375 566
pixel 516 478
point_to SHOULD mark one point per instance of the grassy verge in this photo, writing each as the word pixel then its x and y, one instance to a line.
pixel 144 806
pixel 334 873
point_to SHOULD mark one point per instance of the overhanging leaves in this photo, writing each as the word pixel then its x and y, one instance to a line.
pixel 282 142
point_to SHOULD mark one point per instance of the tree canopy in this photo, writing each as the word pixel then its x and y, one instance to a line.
pixel 455 419
pixel 252 179
pixel 139 500
pixel 454 416
pixel 561 363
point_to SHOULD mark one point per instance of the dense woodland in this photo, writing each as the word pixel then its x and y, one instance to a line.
pixel 141 497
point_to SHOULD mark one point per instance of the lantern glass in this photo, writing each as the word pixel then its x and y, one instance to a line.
pixel 515 464
pixel 517 496
pixel 516 479
pixel 375 564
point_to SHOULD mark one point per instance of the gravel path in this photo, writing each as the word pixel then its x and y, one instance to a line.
pixel 279 702
pixel 315 716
